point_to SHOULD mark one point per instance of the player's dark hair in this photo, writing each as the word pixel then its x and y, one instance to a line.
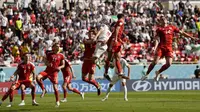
pixel 119 16
pixel 93 29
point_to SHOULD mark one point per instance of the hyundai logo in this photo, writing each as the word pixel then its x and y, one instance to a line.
pixel 141 86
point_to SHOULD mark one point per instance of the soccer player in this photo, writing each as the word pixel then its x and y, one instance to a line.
pixel 68 74
pixel 163 46
pixel 116 78
pixel 101 38
pixel 88 67
pixel 114 46
pixel 54 62
pixel 23 80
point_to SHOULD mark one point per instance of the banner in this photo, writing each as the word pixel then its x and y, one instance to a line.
pixel 162 85
pixel 78 84
pixel 176 71
pixel 5 86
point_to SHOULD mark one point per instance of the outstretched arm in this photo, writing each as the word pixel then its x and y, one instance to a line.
pixel 186 35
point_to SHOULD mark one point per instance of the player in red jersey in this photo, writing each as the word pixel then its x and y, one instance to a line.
pixel 163 46
pixel 54 62
pixel 25 77
pixel 114 46
pixel 68 74
pixel 88 67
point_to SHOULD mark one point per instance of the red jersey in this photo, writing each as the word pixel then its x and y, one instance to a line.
pixel 89 50
pixel 120 24
pixel 25 70
pixel 54 60
pixel 166 35
pixel 67 65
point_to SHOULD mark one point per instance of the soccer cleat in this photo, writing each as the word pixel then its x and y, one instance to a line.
pixel 35 104
pixel 107 77
pixel 22 104
pixel 9 105
pixel 104 99
pixel 99 89
pixel 57 104
pixel 43 93
pixel 63 100
pixel 82 95
pixel 125 99
pixel 144 77
pixel 157 76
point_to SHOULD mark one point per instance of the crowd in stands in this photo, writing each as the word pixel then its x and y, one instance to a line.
pixel 30 27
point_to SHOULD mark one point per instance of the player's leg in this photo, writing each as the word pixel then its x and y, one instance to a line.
pixel 22 95
pixel 55 87
pixel 99 51
pixel 54 80
pixel 64 87
pixel 69 87
pixel 107 92
pixel 39 78
pixel 85 71
pixel 94 82
pixel 117 57
pixel 107 65
pixel 33 88
pixel 125 89
pixel 84 78
pixel 151 66
pixel 10 94
pixel 115 78
pixel 164 67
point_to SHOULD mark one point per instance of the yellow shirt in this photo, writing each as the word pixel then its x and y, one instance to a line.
pixel 15 51
pixel 19 25
pixel 198 26
pixel 25 49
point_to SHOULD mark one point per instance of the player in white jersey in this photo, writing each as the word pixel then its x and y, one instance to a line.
pixel 116 78
pixel 103 36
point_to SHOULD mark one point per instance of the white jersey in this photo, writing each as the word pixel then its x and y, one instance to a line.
pixel 105 34
pixel 123 63
pixel 4 21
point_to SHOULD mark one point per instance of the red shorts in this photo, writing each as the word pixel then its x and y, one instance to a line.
pixel 114 47
pixel 164 52
pixel 88 67
pixel 27 83
pixel 67 75
pixel 52 75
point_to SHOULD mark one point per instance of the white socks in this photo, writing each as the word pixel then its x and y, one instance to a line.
pixel 125 92
pixel 108 91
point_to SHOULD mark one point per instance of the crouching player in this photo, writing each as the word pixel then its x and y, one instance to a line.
pixel 23 79
pixel 68 74
pixel 116 78
pixel 88 67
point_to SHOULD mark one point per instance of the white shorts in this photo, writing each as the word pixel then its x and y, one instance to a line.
pixel 116 78
pixel 100 49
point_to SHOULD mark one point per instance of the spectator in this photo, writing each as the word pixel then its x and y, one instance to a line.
pixel 2 75
pixel 197 72
pixel 18 29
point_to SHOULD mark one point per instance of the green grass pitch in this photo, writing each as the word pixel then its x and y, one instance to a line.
pixel 161 101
